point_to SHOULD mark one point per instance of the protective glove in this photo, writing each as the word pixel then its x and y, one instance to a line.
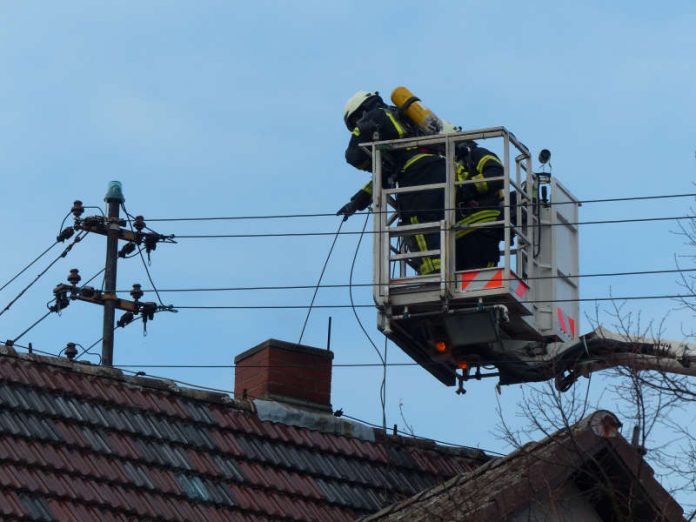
pixel 360 201
pixel 347 210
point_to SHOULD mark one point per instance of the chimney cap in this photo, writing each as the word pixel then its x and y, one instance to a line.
pixel 284 345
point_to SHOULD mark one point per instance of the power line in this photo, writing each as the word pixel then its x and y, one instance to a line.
pixel 347 285
pixel 232 366
pixel 310 234
pixel 221 366
pixel 95 343
pixel 333 214
pixel 192 366
pixel 372 424
pixel 50 311
pixel 64 253
pixel 29 265
pixel 31 349
pixel 93 277
pixel 32 326
pixel 300 307
pixel 105 376
pixel 198 386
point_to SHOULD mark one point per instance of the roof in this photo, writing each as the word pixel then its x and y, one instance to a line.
pixel 82 442
pixel 589 454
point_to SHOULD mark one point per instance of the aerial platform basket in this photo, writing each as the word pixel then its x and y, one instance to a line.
pixel 462 320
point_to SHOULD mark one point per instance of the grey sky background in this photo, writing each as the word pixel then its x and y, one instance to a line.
pixel 216 108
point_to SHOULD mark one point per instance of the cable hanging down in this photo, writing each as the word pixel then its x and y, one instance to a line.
pixel 321 276
pixel 135 220
pixel 383 361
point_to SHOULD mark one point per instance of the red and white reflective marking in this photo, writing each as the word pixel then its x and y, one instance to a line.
pixel 473 280
pixel 565 322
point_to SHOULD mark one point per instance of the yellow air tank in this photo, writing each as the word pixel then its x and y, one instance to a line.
pixel 411 106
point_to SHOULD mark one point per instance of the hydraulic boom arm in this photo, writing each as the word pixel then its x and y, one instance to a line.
pixel 602 349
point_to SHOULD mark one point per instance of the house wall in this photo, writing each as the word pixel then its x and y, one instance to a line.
pixel 567 505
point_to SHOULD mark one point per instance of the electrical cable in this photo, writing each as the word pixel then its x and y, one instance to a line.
pixel 87 350
pixel 93 278
pixel 350 293
pixel 305 287
pixel 140 251
pixel 137 374
pixel 451 444
pixel 383 386
pixel 321 276
pixel 96 208
pixel 31 349
pixel 263 366
pixel 125 367
pixel 492 302
pixel 333 214
pixel 32 326
pixel 315 234
pixel 62 224
pixel 50 311
pixel 29 265
pixel 197 386
pixel 425 365
pixel 64 253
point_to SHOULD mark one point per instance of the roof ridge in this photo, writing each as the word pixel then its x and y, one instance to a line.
pixel 115 374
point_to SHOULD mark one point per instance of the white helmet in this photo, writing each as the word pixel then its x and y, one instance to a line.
pixel 354 103
pixel 448 127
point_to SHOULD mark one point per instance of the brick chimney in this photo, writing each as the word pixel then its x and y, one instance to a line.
pixel 286 372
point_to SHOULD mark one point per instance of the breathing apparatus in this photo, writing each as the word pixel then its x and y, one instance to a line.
pixel 425 119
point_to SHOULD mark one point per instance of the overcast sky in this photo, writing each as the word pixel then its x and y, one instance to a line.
pixel 226 108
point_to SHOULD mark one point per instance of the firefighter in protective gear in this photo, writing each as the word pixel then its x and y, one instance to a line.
pixel 477 203
pixel 370 119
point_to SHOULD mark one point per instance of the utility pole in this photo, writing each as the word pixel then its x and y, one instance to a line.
pixel 114 199
pixel 111 226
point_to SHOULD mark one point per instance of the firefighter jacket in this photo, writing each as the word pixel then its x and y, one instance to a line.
pixel 478 201
pixel 383 123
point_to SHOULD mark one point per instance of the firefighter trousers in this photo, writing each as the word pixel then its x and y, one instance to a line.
pixel 477 248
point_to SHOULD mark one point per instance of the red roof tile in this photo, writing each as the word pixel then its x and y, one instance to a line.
pixel 86 443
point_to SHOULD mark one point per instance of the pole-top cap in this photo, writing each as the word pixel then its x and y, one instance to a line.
pixel 114 192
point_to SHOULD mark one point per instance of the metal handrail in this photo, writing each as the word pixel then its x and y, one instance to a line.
pixel 515 173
